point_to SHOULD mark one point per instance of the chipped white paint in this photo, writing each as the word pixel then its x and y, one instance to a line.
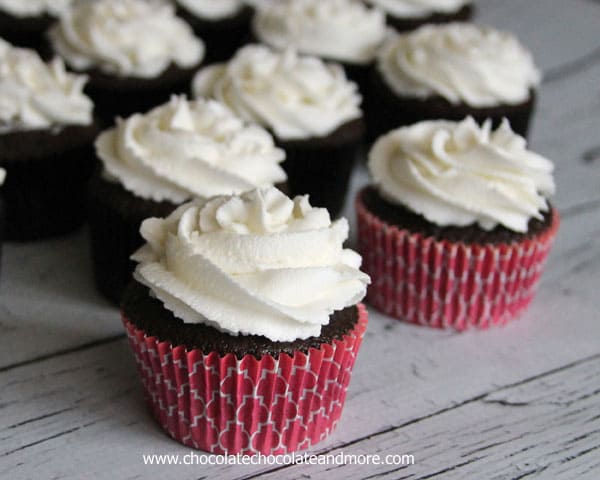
pixel 517 402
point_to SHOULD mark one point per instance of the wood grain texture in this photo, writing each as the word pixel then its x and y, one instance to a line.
pixel 516 402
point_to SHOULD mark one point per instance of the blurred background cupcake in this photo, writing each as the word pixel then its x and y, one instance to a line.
pixel 46 133
pixel 449 72
pixel 155 161
pixel 224 25
pixel 456 228
pixel 136 52
pixel 24 22
pixel 405 15
pixel 344 31
pixel 310 107
pixel 258 295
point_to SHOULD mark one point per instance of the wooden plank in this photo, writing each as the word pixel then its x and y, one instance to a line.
pixel 545 427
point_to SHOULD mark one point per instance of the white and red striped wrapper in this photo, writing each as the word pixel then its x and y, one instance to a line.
pixel 228 405
pixel 445 284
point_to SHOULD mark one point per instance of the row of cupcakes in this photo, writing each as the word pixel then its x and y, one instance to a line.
pixel 244 315
pixel 224 24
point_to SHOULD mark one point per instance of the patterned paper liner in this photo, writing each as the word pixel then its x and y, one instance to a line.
pixel 443 284
pixel 227 405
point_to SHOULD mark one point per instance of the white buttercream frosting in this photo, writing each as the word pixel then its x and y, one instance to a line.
pixel 34 8
pixel 35 95
pixel 186 149
pixel 212 9
pixel 460 173
pixel 258 264
pixel 461 62
pixel 342 30
pixel 418 8
pixel 136 38
pixel 2 176
pixel 296 97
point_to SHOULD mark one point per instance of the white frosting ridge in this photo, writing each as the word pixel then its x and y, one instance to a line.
pixel 186 149
pixel 295 97
pixel 342 30
pixel 461 62
pixel 137 38
pixel 460 173
pixel 34 8
pixel 418 8
pixel 212 9
pixel 258 264
pixel 38 95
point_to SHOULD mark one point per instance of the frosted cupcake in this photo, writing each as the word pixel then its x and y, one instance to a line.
pixel 245 323
pixel 46 134
pixel 457 227
pixel 153 162
pixel 309 106
pixel 344 31
pixel 406 15
pixel 224 24
pixel 136 52
pixel 24 22
pixel 452 71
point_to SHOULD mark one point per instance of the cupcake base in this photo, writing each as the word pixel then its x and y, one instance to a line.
pixel 407 24
pixel 115 216
pixel 124 96
pixel 222 37
pixel 26 32
pixel 321 167
pixel 248 404
pixel 385 110
pixel 445 282
pixel 46 175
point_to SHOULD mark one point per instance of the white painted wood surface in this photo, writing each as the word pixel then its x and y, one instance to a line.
pixel 517 402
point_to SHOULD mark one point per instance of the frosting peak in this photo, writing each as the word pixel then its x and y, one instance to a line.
pixel 34 8
pixel 460 173
pixel 461 62
pixel 258 264
pixel 212 9
pixel 343 30
pixel 418 8
pixel 185 149
pixel 38 95
pixel 137 38
pixel 295 97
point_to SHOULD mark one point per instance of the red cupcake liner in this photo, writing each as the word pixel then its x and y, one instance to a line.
pixel 228 405
pixel 443 284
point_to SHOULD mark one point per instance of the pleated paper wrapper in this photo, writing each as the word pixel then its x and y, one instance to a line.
pixel 446 284
pixel 222 404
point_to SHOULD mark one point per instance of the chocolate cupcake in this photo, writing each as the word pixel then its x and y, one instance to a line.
pixel 310 107
pixel 24 22
pixel 457 227
pixel 153 162
pixel 46 134
pixel 450 72
pixel 136 52
pixel 404 15
pixel 224 25
pixel 343 31
pixel 245 323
